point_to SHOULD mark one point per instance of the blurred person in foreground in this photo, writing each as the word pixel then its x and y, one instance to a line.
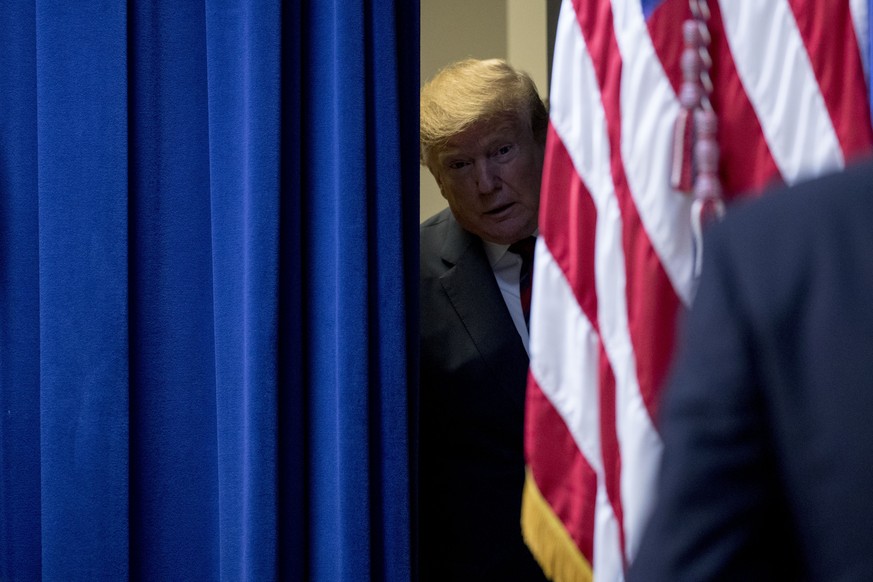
pixel 483 130
pixel 768 421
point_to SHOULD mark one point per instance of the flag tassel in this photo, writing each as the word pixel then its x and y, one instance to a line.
pixel 681 173
pixel 548 540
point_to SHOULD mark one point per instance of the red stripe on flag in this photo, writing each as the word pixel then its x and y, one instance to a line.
pixel 829 36
pixel 652 309
pixel 568 223
pixel 596 24
pixel 665 30
pixel 746 162
pixel 651 324
pixel 609 444
pixel 562 474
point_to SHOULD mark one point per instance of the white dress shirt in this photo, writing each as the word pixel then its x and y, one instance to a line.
pixel 507 270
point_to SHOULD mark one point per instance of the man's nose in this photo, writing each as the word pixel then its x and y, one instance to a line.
pixel 487 176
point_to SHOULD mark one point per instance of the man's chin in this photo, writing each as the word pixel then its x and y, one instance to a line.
pixel 503 230
pixel 508 236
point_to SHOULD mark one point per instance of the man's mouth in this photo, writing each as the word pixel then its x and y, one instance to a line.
pixel 499 209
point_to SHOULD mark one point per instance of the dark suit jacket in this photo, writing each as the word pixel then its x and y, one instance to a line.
pixel 768 424
pixel 473 376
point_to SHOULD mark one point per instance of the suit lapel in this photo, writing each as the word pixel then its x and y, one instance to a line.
pixel 475 296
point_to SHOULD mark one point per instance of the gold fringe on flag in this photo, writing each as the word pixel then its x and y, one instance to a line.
pixel 548 540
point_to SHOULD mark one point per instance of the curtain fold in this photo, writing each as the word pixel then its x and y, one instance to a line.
pixel 173 364
pixel 20 529
pixel 243 61
pixel 82 163
pixel 208 234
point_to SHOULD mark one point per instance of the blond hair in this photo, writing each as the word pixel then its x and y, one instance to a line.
pixel 470 91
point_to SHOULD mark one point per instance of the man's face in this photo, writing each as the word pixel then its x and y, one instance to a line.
pixel 490 174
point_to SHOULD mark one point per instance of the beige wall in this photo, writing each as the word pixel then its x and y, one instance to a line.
pixel 455 29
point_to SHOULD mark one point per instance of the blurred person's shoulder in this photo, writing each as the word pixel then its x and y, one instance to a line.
pixel 813 204
pixel 771 250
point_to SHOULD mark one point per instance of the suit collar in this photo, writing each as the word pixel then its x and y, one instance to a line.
pixel 475 296
pixel 458 242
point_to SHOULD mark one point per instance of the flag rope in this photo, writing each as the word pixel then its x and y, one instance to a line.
pixel 695 144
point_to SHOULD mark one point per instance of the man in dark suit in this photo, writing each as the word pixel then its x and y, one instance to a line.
pixel 768 423
pixel 483 131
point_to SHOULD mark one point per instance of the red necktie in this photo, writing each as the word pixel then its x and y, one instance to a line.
pixel 525 249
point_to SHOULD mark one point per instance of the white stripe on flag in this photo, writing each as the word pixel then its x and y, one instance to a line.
pixel 778 78
pixel 649 109
pixel 664 214
pixel 578 118
pixel 564 350
pixel 576 110
pixel 564 360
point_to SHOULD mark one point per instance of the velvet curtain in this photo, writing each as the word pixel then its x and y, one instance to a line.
pixel 208 234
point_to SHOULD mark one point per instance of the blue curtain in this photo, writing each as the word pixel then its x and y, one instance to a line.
pixel 208 261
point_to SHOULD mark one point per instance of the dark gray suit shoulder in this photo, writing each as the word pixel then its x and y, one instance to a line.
pixel 433 233
pixel 442 243
pixel 826 206
pixel 795 242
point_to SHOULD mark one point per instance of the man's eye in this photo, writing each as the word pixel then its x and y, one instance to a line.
pixel 457 164
pixel 505 149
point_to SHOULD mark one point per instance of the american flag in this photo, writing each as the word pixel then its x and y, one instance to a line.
pixel 614 262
